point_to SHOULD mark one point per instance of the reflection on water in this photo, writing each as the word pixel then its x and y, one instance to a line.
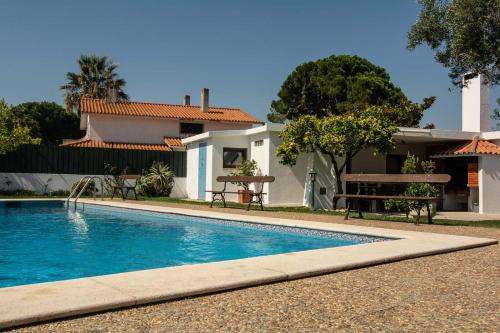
pixel 80 226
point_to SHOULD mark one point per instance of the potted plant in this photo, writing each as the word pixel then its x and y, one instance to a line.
pixel 245 168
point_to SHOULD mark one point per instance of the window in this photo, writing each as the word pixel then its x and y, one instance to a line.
pixel 258 143
pixel 232 156
pixel 188 129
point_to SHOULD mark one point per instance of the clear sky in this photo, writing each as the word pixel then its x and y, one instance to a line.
pixel 241 50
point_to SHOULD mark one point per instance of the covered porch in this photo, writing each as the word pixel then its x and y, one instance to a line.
pixel 472 162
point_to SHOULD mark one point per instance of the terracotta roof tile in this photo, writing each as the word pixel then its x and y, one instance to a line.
pixel 185 112
pixel 173 142
pixel 474 147
pixel 115 145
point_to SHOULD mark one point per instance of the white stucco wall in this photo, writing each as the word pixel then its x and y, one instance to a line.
pixel 217 145
pixel 288 188
pixel 131 129
pixel 144 129
pixel 261 154
pixel 489 184
pixel 43 183
pixel 325 178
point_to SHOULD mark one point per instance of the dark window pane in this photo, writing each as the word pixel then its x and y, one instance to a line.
pixel 233 156
pixel 191 128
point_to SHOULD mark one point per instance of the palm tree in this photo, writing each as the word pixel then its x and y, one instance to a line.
pixel 97 79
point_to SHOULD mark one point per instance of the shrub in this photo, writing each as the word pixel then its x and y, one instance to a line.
pixel 18 192
pixel 410 166
pixel 158 181
pixel 245 168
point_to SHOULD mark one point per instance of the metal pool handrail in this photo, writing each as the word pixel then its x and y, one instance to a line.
pixel 88 179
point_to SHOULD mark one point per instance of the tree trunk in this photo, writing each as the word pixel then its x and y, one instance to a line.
pixel 338 173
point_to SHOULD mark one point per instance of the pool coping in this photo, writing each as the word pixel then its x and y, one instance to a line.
pixel 29 304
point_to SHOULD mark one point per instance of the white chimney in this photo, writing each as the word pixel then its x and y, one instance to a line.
pixel 204 100
pixel 187 100
pixel 475 104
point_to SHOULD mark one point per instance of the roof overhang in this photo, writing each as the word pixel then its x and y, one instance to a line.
pixel 269 127
pixel 421 135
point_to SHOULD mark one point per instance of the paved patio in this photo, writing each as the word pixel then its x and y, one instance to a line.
pixel 452 292
pixel 467 216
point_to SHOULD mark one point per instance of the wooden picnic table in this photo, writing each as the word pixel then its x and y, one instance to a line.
pixel 256 196
pixel 360 179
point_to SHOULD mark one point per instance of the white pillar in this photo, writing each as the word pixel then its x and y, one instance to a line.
pixel 475 105
pixel 489 184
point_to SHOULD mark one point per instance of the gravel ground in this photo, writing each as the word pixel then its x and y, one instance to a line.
pixel 457 291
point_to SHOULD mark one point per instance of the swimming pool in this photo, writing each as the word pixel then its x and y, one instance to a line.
pixel 42 241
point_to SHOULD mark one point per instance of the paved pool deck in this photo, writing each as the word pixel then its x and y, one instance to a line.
pixel 58 299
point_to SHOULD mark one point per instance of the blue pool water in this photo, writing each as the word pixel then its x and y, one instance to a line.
pixel 46 241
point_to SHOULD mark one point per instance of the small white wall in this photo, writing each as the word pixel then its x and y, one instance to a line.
pixel 38 182
pixel 43 183
pixel 489 184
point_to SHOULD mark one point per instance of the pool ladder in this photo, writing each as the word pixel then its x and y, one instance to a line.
pixel 86 181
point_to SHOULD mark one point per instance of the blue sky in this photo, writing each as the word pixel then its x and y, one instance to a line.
pixel 241 50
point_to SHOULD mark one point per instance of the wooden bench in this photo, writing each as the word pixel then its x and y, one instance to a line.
pixel 256 196
pixel 126 187
pixel 360 179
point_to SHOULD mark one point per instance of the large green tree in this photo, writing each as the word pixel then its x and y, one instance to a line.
pixel 340 137
pixel 340 85
pixel 48 121
pixel 97 78
pixel 12 132
pixel 465 35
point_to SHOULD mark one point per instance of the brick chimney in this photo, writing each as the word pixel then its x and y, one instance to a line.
pixel 204 100
pixel 475 104
pixel 187 100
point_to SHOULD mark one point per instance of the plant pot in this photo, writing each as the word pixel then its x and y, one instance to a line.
pixel 244 196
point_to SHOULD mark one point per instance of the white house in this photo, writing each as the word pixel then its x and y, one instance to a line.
pixel 470 156
pixel 153 126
